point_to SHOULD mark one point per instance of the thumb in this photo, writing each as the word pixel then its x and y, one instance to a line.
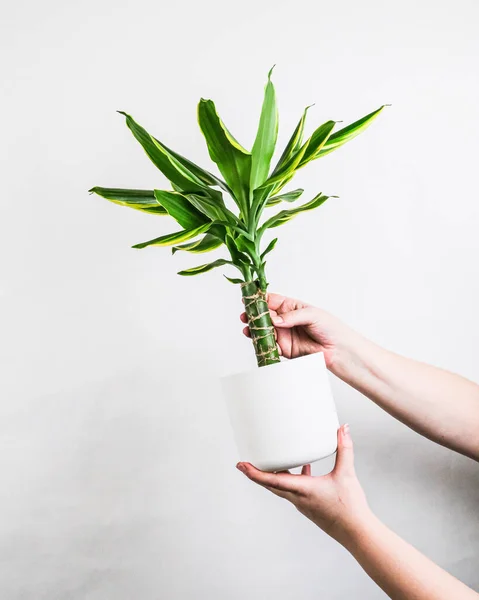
pixel 300 316
pixel 345 454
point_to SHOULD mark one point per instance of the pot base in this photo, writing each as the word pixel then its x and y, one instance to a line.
pixel 276 468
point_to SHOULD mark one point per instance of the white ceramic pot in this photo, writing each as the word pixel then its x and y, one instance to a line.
pixel 283 415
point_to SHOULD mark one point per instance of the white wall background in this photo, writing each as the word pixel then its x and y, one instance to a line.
pixel 116 460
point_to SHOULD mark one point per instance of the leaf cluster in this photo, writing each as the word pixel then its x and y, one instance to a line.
pixel 196 200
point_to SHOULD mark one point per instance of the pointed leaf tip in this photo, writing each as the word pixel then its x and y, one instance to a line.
pixel 266 135
pixel 336 140
pixel 206 267
pixel 270 71
pixel 233 279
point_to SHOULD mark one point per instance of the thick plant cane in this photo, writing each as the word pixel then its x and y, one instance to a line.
pixel 260 324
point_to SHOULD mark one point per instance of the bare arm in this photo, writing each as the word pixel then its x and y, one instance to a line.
pixel 401 570
pixel 437 404
pixel 337 504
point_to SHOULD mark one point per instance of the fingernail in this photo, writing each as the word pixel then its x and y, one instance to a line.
pixel 240 467
pixel 346 430
pixel 277 320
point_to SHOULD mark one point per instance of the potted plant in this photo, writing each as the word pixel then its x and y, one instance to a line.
pixel 284 415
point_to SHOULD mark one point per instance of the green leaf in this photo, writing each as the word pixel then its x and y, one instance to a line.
pixel 234 280
pixel 282 175
pixel 205 244
pixel 181 209
pixel 348 133
pixel 276 181
pixel 209 192
pixel 287 169
pixel 286 215
pixel 204 176
pixel 228 226
pixel 232 159
pixel 175 238
pixel 245 245
pixel 143 200
pixel 316 142
pixel 294 143
pixel 161 158
pixel 269 247
pixel 237 256
pixel 287 197
pixel 205 268
pixel 214 209
pixel 265 142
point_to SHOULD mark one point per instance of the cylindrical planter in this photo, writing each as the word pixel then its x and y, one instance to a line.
pixel 283 415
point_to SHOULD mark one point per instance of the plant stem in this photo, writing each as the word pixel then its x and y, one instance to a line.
pixel 260 324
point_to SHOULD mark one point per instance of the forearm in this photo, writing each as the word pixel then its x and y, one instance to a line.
pixel 399 569
pixel 437 404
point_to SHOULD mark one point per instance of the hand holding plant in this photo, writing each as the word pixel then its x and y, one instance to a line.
pixel 303 329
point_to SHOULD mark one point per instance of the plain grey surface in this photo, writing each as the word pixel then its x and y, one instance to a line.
pixel 116 458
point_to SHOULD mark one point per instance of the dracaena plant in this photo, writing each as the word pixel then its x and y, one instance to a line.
pixel 196 201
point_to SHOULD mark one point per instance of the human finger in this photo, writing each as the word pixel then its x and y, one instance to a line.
pixel 285 482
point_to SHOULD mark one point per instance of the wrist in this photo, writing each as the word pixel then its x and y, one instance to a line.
pixel 353 535
pixel 348 357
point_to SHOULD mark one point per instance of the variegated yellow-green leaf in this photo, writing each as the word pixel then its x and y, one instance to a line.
pixel 166 163
pixel 143 200
pixel 276 181
pixel 294 143
pixel 213 208
pixel 179 207
pixel 207 178
pixel 205 268
pixel 286 215
pixel 265 142
pixel 283 174
pixel 287 170
pixel 348 133
pixel 298 158
pixel 175 238
pixel 205 244
pixel 287 197
pixel 317 141
pixel 232 159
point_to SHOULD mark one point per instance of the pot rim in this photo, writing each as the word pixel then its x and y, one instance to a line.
pixel 313 357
